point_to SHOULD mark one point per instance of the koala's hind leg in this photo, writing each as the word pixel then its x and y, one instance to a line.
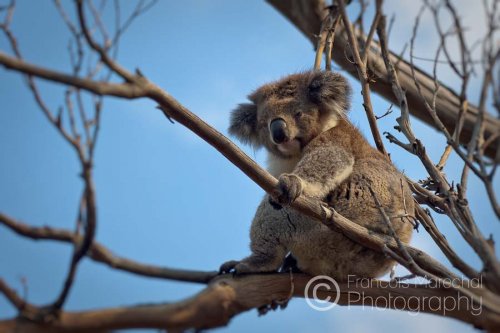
pixel 257 262
pixel 269 235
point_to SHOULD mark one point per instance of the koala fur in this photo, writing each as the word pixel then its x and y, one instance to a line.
pixel 314 150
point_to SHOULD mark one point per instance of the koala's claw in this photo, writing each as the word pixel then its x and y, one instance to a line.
pixel 228 267
pixel 275 304
pixel 236 267
pixel 290 188
pixel 274 204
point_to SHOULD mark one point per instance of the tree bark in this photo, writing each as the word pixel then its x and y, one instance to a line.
pixel 227 296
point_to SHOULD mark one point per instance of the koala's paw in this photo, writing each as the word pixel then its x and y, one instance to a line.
pixel 274 204
pixel 289 187
pixel 228 266
pixel 239 267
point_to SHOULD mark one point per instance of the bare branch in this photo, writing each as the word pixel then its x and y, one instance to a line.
pixel 363 77
pixel 19 303
pixel 331 37
pixel 101 51
pixel 326 36
pixel 426 220
pixel 125 90
pixel 457 212
pixel 226 297
pixel 100 253
pixel 371 33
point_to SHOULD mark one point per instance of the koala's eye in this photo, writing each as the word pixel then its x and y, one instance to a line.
pixel 298 115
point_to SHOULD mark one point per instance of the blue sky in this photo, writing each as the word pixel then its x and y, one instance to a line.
pixel 164 196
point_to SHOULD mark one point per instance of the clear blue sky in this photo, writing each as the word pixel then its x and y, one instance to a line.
pixel 164 196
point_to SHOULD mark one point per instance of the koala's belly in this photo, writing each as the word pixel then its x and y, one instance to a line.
pixel 322 251
pixel 353 199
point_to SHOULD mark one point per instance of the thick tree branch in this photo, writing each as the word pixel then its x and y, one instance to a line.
pixel 226 297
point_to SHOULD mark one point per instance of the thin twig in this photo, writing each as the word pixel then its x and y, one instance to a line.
pixel 100 253
pixel 363 77
pixel 326 27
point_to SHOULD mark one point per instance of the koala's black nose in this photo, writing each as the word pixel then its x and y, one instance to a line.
pixel 279 131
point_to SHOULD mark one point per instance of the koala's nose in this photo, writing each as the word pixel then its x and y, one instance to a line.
pixel 279 130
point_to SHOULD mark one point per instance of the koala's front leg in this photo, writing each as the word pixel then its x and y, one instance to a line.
pixel 289 188
pixel 319 171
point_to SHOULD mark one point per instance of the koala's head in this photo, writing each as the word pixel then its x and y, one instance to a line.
pixel 284 116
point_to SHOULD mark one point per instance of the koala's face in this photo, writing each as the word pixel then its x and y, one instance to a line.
pixel 286 115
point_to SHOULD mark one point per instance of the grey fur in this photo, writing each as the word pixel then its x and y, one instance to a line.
pixel 325 157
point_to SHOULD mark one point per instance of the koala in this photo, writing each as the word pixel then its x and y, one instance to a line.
pixel 314 150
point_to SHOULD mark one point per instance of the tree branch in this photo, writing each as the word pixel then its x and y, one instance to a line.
pixel 124 90
pixel 226 297
pixel 100 253
pixel 362 76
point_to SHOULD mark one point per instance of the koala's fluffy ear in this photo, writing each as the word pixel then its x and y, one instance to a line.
pixel 243 124
pixel 331 90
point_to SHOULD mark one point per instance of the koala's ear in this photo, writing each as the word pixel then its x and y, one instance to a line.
pixel 243 123
pixel 329 89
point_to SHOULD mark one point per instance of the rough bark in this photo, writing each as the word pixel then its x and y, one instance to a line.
pixel 227 296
